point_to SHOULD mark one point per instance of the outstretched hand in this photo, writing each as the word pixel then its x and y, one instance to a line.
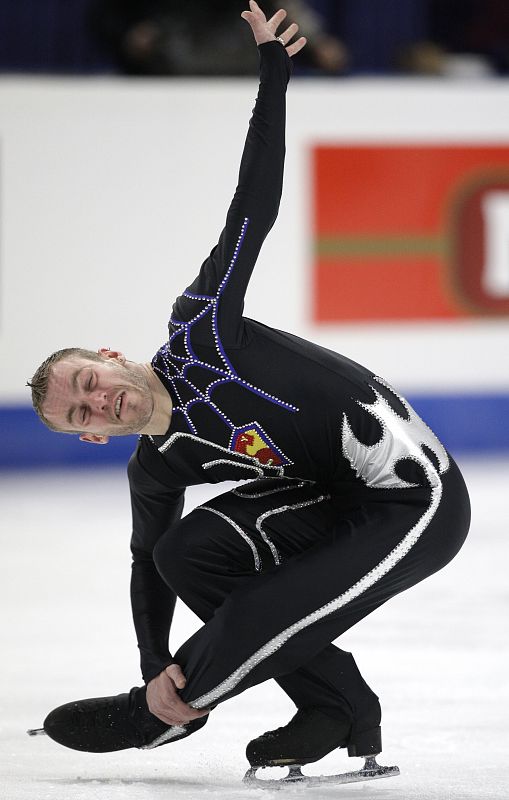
pixel 264 30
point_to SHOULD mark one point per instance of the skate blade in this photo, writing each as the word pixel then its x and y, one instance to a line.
pixel 370 771
pixel 36 732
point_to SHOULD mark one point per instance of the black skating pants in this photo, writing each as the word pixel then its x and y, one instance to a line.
pixel 277 570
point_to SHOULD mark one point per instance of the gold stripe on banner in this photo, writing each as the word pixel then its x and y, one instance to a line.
pixel 380 246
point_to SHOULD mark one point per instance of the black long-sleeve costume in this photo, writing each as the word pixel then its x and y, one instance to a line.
pixel 250 401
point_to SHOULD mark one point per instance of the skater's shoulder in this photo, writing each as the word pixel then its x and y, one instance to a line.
pixel 146 468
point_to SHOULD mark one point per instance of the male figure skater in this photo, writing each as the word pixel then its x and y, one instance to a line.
pixel 353 500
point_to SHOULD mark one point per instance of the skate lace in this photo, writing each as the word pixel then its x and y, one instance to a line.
pixel 136 727
pixel 82 719
pixel 299 718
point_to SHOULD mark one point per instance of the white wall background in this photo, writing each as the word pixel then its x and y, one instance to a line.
pixel 113 192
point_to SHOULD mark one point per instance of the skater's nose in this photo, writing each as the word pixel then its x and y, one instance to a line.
pixel 99 400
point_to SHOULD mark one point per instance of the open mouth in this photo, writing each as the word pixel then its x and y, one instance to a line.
pixel 118 405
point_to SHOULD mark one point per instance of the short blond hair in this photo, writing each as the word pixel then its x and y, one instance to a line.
pixel 40 380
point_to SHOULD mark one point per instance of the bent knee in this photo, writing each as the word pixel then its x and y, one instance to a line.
pixel 180 551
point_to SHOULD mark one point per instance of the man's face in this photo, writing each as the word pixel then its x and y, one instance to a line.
pixel 106 398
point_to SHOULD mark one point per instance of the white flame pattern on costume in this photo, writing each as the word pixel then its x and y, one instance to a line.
pixel 401 438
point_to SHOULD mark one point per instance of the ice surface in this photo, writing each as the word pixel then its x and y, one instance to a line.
pixel 436 655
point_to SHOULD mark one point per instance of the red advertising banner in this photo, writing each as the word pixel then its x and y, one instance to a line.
pixel 410 232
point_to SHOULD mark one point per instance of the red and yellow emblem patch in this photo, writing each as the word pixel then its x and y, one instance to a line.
pixel 251 440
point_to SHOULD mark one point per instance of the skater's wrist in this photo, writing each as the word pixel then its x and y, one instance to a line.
pixel 151 672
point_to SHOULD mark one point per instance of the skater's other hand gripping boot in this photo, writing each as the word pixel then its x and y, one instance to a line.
pixel 164 701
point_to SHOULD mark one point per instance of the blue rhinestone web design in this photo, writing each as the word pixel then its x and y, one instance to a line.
pixel 175 367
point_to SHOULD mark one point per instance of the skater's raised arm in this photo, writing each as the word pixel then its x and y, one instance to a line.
pixel 225 274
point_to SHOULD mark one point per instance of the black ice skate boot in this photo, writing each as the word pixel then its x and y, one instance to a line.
pixel 309 736
pixel 104 724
